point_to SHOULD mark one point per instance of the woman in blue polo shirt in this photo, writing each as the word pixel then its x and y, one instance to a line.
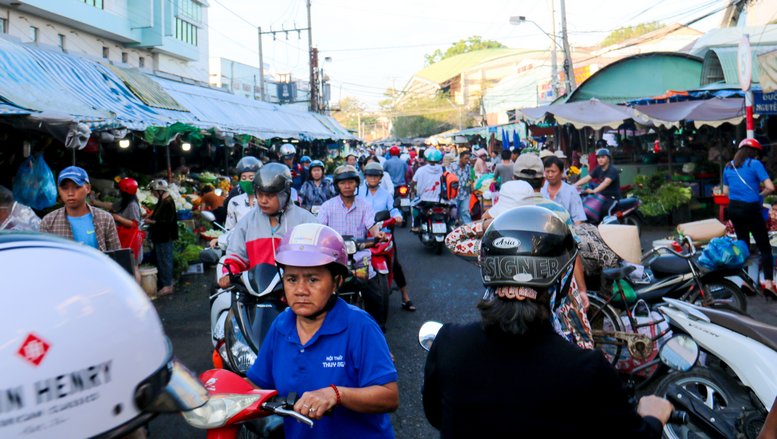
pixel 331 353
pixel 742 180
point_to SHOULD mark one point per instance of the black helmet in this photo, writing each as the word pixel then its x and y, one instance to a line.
pixel 273 178
pixel 601 143
pixel 248 164
pixel 527 246
pixel 374 169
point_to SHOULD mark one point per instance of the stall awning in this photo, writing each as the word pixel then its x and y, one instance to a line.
pixel 235 114
pixel 634 77
pixel 713 112
pixel 42 80
pixel 591 113
pixel 12 110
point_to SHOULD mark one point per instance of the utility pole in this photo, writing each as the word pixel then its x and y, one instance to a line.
pixel 554 57
pixel 313 65
pixel 261 66
pixel 569 69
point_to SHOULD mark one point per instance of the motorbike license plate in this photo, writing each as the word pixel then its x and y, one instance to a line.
pixel 439 228
pixel 404 202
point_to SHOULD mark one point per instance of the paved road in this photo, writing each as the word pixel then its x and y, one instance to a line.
pixel 444 288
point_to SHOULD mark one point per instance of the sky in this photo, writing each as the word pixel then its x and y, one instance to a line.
pixel 375 45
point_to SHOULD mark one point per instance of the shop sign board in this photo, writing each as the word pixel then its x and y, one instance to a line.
pixel 765 103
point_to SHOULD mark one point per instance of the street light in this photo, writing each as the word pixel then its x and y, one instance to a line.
pixel 517 21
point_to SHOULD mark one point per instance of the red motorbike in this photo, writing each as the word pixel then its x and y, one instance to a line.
pixel 383 253
pixel 402 202
pixel 234 403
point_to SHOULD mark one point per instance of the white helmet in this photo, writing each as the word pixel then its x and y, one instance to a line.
pixel 287 149
pixel 82 349
pixel 159 184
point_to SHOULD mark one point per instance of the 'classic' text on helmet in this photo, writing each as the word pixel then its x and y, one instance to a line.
pixel 273 178
pixel 374 169
pixel 128 185
pixel 313 245
pixel 84 353
pixel 526 246
pixel 248 164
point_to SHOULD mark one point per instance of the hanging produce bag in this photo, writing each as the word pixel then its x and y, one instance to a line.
pixel 34 183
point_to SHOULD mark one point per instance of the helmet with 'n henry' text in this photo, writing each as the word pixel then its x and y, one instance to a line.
pixel 83 353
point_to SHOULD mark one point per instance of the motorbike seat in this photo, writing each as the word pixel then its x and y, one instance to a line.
pixel 625 203
pixel 617 272
pixel 745 325
pixel 669 265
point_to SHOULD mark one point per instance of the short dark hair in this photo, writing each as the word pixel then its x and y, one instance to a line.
pixel 6 197
pixel 553 160
pixel 514 317
pixel 464 154
pixel 506 154
pixel 535 183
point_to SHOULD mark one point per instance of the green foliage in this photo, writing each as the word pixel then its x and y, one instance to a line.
pixel 624 33
pixel 471 44
pixel 423 117
pixel 185 250
pixel 659 196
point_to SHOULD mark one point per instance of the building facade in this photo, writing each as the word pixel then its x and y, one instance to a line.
pixel 164 37
pixel 243 80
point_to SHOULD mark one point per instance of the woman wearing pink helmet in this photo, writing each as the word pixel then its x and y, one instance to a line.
pixel 331 353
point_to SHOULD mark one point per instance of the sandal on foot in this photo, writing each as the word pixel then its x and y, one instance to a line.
pixel 408 306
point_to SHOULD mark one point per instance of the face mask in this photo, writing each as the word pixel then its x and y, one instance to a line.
pixel 247 187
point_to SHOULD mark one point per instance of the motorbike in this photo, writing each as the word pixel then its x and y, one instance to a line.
pixel 234 405
pixel 613 313
pixel 381 251
pixel 731 387
pixel 402 202
pixel 624 211
pixel 434 224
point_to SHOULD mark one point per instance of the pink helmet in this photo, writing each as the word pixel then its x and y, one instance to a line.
pixel 752 143
pixel 312 245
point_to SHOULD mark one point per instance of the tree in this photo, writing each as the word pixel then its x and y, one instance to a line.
pixel 351 110
pixel 424 117
pixel 471 44
pixel 624 33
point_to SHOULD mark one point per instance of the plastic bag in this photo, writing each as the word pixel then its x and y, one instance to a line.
pixel 724 252
pixel 34 183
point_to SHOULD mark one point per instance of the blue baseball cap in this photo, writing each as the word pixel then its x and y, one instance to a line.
pixel 74 173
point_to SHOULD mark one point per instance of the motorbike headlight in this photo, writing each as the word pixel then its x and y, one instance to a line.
pixel 240 353
pixel 218 410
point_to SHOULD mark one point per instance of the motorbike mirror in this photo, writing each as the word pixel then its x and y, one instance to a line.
pixel 383 215
pixel 427 333
pixel 209 256
pixel 219 192
pixel 679 353
pixel 209 216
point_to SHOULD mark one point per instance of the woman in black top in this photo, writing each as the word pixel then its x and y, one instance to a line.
pixel 511 374
pixel 164 230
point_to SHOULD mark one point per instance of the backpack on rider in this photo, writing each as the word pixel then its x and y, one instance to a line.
pixel 449 185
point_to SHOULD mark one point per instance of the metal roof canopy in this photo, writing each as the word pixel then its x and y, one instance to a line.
pixel 720 65
pixel 637 76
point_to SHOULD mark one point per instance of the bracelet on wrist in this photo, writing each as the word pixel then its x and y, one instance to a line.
pixel 337 394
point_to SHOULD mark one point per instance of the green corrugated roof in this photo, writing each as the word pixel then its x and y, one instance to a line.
pixel 638 76
pixel 450 67
pixel 728 63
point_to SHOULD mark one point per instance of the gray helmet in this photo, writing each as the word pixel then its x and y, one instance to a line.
pixel 374 169
pixel 248 164
pixel 287 149
pixel 273 178
pixel 159 184
pixel 345 172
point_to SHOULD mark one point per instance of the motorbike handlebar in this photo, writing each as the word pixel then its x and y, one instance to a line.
pixel 678 417
pixel 290 413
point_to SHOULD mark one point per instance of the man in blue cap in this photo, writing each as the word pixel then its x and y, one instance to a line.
pixel 77 220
